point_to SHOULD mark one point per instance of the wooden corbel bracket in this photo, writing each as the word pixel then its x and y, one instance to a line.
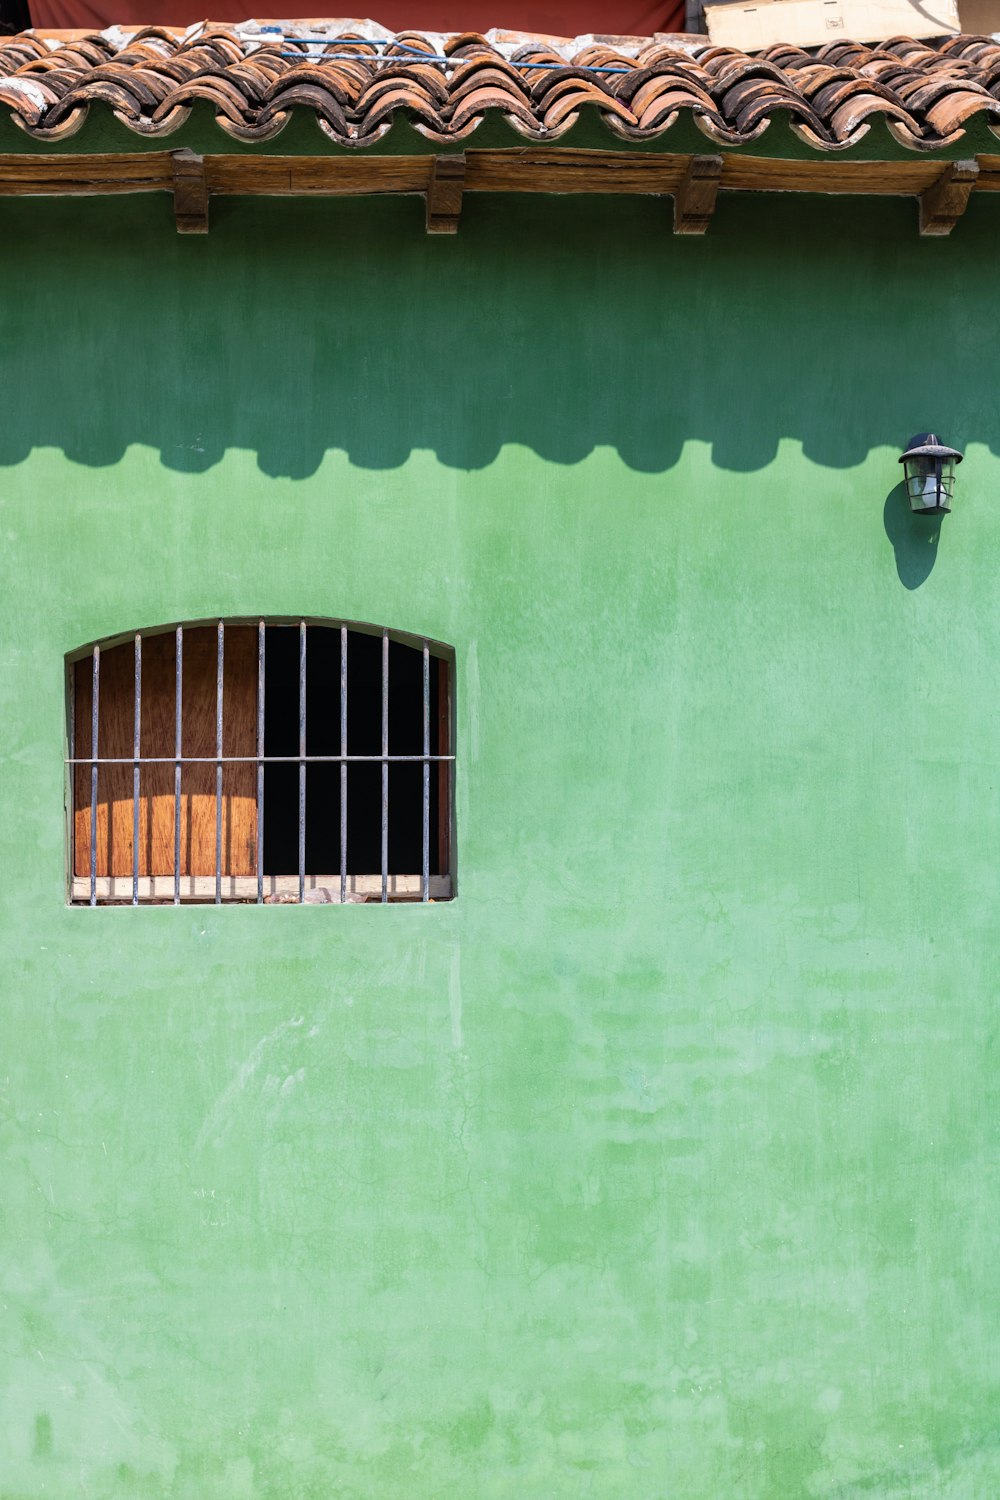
pixel 694 200
pixel 947 198
pixel 190 192
pixel 444 194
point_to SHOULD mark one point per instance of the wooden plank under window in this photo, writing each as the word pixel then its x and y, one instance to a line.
pixel 156 799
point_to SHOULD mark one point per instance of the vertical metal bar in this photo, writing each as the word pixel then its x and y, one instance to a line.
pixel 71 772
pixel 136 752
pixel 302 759
pixel 425 861
pixel 260 762
pixel 95 699
pixel 385 765
pixel 219 670
pixel 178 752
pixel 343 763
pixel 446 785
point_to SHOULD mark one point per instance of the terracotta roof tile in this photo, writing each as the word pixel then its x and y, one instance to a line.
pixel 357 79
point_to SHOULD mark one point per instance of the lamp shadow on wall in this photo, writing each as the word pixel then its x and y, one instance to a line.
pixel 914 538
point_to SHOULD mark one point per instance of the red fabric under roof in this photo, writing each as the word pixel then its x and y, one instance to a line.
pixel 556 17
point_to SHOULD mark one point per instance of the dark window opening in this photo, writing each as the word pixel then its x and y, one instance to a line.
pixel 364 737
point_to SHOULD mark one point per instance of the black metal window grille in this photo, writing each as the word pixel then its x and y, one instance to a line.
pixel 351 769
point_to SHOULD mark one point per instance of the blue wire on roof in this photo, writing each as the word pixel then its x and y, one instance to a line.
pixel 415 54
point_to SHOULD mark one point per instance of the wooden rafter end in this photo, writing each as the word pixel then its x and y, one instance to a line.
pixel 694 200
pixel 445 192
pixel 947 198
pixel 190 192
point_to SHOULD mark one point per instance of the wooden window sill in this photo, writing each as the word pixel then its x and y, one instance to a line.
pixel 279 890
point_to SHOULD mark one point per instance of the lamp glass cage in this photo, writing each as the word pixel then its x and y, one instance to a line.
pixel 929 469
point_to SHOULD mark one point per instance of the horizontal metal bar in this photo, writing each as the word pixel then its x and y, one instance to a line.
pixel 235 760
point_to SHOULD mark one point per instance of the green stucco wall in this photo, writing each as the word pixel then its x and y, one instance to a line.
pixel 662 1164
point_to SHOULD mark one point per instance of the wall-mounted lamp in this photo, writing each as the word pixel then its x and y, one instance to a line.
pixel 930 474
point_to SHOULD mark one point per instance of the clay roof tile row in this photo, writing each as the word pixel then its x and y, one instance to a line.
pixel 355 86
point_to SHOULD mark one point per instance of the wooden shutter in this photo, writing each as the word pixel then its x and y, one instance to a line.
pixel 198 782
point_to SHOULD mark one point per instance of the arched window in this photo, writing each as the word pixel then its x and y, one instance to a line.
pixel 262 761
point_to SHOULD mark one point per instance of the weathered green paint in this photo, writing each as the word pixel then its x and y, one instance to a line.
pixel 660 1165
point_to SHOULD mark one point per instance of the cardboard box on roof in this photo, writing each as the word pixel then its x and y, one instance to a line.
pixel 979 16
pixel 810 23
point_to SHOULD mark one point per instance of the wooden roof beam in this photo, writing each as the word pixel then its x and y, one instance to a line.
pixel 947 198
pixel 445 191
pixel 190 192
pixel 694 200
pixel 942 188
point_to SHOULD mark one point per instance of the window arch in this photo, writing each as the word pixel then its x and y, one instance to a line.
pixel 268 760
